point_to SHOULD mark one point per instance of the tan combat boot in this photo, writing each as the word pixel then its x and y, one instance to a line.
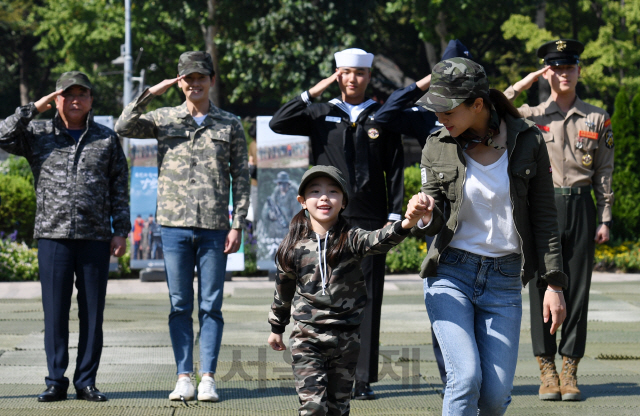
pixel 569 379
pixel 549 388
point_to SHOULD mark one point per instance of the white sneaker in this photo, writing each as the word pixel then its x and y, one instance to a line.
pixel 184 389
pixel 207 390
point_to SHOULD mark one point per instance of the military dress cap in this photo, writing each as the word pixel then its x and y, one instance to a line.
pixel 452 82
pixel 329 171
pixel 282 177
pixel 561 52
pixel 195 61
pixel 353 58
pixel 455 49
pixel 69 79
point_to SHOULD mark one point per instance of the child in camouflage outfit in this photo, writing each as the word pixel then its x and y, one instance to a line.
pixel 319 271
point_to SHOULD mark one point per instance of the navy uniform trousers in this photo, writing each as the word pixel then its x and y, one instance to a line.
pixel 59 260
pixel 577 226
pixel 373 268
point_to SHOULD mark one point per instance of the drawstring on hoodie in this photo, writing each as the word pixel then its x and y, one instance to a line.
pixel 323 273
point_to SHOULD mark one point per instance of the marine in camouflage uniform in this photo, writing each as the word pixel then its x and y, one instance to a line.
pixel 202 156
pixel 276 214
pixel 81 182
pixel 325 341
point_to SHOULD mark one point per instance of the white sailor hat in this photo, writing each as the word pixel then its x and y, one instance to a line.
pixel 353 58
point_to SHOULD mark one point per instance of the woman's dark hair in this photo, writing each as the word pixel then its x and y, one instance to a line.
pixel 300 228
pixel 498 100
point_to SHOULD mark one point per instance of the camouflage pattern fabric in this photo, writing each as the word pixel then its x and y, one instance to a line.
pixel 195 61
pixel 324 365
pixel 345 294
pixel 69 79
pixel 80 188
pixel 197 164
pixel 453 81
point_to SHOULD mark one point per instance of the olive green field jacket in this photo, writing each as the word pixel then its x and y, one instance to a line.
pixel 443 169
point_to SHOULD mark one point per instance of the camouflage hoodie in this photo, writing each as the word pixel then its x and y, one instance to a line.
pixel 81 189
pixel 344 295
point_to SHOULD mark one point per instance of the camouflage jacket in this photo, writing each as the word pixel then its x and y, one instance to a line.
pixel 195 163
pixel 345 293
pixel 81 189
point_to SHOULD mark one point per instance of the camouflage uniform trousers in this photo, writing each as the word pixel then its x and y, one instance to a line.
pixel 324 365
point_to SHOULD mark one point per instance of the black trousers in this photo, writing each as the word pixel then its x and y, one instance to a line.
pixel 373 268
pixel 577 226
pixel 59 260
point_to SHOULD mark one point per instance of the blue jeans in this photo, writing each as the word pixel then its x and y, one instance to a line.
pixel 184 249
pixel 475 307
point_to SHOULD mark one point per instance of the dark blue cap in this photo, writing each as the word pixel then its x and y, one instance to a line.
pixel 455 49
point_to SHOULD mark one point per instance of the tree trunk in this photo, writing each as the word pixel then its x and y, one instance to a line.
pixel 432 58
pixel 544 89
pixel 24 86
pixel 441 30
pixel 209 32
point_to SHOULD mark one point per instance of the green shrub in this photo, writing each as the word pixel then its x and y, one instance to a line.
pixel 18 207
pixel 17 261
pixel 412 183
pixel 16 166
pixel 407 256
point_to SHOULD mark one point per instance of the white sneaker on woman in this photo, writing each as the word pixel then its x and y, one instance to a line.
pixel 184 389
pixel 207 390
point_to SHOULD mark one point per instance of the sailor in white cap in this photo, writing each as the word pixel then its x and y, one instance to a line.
pixel 345 134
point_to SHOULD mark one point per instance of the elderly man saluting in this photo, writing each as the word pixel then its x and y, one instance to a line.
pixel 80 176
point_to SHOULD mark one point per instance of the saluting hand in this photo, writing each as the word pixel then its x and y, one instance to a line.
pixel 44 103
pixel 526 82
pixel 319 88
pixel 162 87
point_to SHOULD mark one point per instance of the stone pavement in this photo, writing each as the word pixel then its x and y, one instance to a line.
pixel 137 371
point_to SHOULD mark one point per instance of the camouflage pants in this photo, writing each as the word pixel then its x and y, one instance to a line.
pixel 324 365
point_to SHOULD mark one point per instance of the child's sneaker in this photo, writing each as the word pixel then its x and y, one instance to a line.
pixel 207 390
pixel 184 389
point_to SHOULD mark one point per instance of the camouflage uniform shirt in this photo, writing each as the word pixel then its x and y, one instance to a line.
pixel 345 293
pixel 81 189
pixel 195 163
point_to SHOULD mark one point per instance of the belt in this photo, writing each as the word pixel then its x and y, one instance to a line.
pixel 576 190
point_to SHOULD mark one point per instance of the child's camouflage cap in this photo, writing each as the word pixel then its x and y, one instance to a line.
pixel 195 61
pixel 69 79
pixel 329 171
pixel 452 82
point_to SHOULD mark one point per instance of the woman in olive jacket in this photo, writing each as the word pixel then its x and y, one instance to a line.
pixel 492 169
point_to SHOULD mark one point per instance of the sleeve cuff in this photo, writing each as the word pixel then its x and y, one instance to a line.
pixel 422 225
pixel 277 329
pixel 397 228
pixel 394 217
pixel 306 98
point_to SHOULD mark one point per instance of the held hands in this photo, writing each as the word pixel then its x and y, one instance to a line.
pixel 319 88
pixel 275 340
pixel 526 82
pixel 44 103
pixel 553 304
pixel 162 87
pixel 420 206
pixel 118 246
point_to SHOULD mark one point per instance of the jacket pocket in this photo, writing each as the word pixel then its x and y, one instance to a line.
pixel 55 166
pixel 522 174
pixel 445 176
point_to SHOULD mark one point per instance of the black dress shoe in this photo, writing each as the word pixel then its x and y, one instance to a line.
pixel 90 393
pixel 53 394
pixel 362 391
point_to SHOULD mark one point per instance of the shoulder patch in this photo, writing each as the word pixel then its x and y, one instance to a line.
pixel 607 123
pixel 609 140
pixel 423 175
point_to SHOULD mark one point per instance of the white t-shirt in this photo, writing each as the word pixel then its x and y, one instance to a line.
pixel 355 110
pixel 200 119
pixel 485 220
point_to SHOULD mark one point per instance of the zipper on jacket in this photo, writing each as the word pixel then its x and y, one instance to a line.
pixel 513 211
